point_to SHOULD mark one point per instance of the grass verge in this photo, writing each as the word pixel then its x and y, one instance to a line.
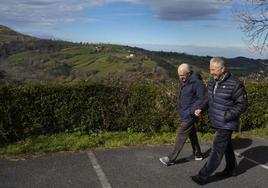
pixel 77 141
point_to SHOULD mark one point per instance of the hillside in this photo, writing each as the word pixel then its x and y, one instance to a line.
pixel 27 59
pixel 7 35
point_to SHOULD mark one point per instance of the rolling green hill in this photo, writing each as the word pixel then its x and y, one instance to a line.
pixel 27 59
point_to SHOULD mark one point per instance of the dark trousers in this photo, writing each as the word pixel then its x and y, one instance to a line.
pixel 222 144
pixel 185 130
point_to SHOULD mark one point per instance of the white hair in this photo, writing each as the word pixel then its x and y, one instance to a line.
pixel 185 68
pixel 220 63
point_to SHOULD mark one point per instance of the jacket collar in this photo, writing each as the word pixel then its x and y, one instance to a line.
pixel 223 78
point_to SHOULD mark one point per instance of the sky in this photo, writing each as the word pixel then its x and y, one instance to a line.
pixel 198 27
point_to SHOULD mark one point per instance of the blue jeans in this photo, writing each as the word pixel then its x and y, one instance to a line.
pixel 222 144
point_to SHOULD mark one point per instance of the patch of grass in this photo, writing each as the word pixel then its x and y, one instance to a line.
pixel 262 132
pixel 74 142
pixel 87 59
pixel 205 137
pixel 77 50
pixel 150 64
pixel 105 68
pixel 77 141
pixel 18 57
pixel 82 61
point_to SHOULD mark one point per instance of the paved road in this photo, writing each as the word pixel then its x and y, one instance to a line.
pixel 132 167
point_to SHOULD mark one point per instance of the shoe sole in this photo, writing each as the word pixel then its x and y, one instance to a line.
pixel 198 159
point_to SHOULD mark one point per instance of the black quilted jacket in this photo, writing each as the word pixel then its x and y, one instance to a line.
pixel 227 99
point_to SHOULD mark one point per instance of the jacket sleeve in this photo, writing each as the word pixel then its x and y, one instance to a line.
pixel 240 103
pixel 201 95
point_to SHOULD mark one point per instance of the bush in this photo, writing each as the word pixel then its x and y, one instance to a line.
pixel 144 111
pixel 32 110
pixel 37 109
pixel 256 115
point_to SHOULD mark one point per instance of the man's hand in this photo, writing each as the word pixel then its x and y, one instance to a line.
pixel 197 112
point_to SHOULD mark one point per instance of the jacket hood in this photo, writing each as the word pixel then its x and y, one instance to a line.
pixel 195 76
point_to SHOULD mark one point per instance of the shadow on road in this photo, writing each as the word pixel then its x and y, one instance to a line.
pixel 244 164
pixel 182 160
pixel 258 154
pixel 240 143
pixel 188 159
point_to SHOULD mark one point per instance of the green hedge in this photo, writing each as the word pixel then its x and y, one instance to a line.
pixel 32 110
pixel 256 115
pixel 36 109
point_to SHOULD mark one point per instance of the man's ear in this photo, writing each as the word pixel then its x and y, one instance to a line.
pixel 223 69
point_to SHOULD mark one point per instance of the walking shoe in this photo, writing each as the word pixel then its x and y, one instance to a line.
pixel 166 161
pixel 226 173
pixel 198 157
pixel 200 181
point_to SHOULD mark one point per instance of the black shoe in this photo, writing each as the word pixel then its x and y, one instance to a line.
pixel 166 161
pixel 226 173
pixel 195 156
pixel 198 157
pixel 200 181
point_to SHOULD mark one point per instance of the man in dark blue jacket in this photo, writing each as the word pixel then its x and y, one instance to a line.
pixel 227 100
pixel 191 96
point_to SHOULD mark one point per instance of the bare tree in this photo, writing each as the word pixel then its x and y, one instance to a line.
pixel 254 23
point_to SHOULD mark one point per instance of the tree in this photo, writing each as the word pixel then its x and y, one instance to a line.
pixel 254 23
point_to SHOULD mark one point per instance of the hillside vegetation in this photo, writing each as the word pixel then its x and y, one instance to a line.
pixel 25 59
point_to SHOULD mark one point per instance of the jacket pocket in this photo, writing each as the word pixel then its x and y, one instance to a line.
pixel 227 116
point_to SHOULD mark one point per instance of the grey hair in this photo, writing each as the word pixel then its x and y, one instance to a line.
pixel 220 63
pixel 185 67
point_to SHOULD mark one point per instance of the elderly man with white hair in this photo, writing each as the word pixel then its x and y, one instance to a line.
pixel 227 100
pixel 192 94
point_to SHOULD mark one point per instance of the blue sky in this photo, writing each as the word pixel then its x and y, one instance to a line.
pixel 201 27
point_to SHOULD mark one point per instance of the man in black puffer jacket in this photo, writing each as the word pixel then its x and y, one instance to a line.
pixel 227 100
pixel 191 96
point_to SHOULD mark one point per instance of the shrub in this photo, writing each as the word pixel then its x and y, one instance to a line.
pixel 36 109
pixel 256 115
pixel 32 110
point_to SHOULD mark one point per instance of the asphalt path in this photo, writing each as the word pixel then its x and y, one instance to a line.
pixel 133 167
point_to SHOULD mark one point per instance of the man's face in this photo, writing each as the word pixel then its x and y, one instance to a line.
pixel 215 71
pixel 183 75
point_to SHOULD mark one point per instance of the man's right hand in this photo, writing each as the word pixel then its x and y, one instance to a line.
pixel 197 112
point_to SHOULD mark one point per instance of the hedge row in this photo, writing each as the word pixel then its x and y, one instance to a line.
pixel 32 110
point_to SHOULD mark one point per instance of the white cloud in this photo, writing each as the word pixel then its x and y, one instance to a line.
pixel 56 12
pixel 41 12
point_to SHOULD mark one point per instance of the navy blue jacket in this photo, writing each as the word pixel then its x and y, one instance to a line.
pixel 227 99
pixel 191 95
